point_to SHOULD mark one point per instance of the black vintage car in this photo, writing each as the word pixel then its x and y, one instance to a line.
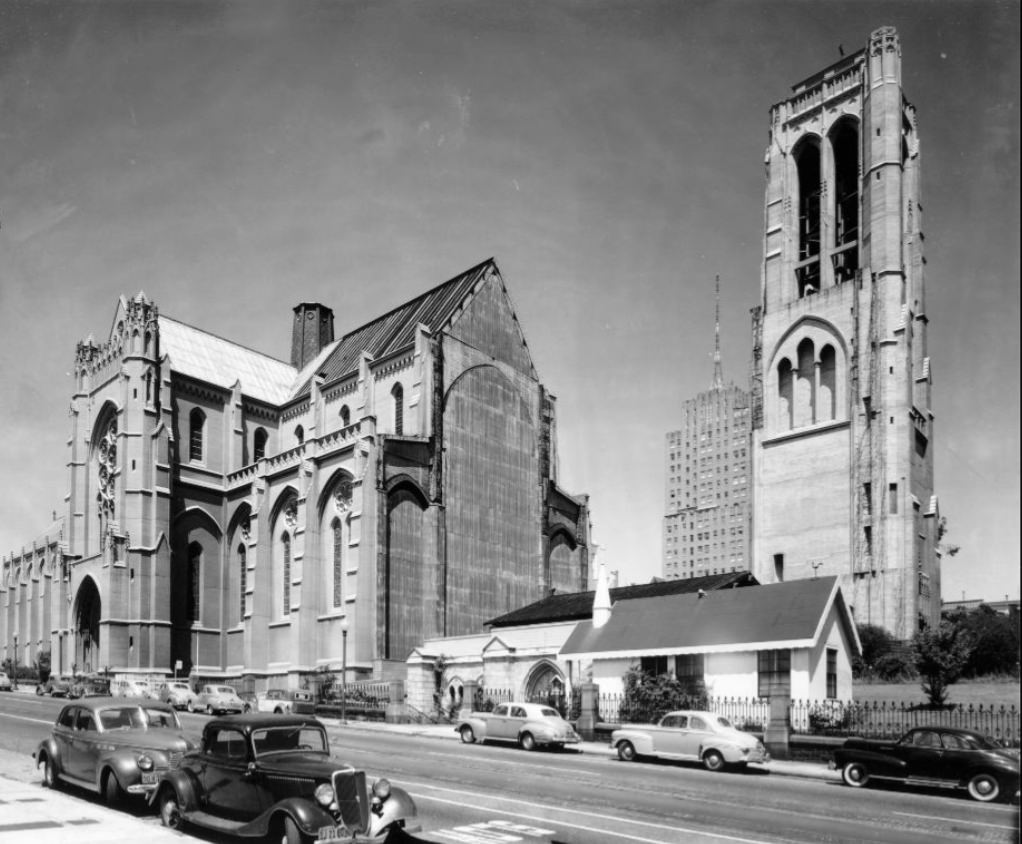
pixel 258 775
pixel 940 757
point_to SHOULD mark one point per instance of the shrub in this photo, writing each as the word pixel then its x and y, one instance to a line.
pixel 941 654
pixel 648 698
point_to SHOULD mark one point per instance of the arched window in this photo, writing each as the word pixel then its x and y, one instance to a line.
pixel 194 598
pixel 785 390
pixel 337 535
pixel 242 581
pixel 398 393
pixel 826 402
pixel 300 435
pixel 285 596
pixel 196 433
pixel 345 415
pixel 807 161
pixel 805 385
pixel 259 444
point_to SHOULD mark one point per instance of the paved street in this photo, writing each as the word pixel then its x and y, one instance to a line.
pixel 495 793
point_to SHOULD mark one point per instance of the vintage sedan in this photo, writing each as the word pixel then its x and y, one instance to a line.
pixel 940 757
pixel 531 725
pixel 690 736
pixel 113 746
pixel 217 700
pixel 5 682
pixel 260 775
pixel 177 693
pixel 285 702
pixel 56 686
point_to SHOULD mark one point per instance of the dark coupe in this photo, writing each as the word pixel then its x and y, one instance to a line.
pixel 260 775
pixel 940 757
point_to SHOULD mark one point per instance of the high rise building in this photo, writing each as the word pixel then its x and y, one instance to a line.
pixel 708 481
pixel 841 411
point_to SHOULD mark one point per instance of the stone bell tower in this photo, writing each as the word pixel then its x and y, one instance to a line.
pixel 843 430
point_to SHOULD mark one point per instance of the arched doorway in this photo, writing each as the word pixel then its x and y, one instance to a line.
pixel 86 626
pixel 546 685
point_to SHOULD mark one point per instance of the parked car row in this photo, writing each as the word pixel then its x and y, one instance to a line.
pixel 251 775
pixel 939 757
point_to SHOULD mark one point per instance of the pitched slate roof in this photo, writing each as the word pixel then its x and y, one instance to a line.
pixel 395 330
pixel 576 606
pixel 221 362
pixel 779 615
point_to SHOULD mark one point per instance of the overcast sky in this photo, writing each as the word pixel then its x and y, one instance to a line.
pixel 234 159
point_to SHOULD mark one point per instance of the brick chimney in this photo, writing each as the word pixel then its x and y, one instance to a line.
pixel 313 329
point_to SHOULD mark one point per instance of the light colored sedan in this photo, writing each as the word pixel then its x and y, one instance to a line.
pixel 177 693
pixel 5 682
pixel 531 725
pixel 216 700
pixel 690 736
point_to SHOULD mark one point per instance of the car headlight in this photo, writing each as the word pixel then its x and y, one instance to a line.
pixel 324 794
pixel 381 791
pixel 145 762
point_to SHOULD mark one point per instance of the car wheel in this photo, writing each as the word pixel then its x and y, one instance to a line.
pixel 278 711
pixel 50 773
pixel 527 741
pixel 112 791
pixel 626 752
pixel 246 708
pixel 467 736
pixel 190 706
pixel 291 834
pixel 209 709
pixel 170 811
pixel 855 774
pixel 984 787
pixel 713 761
pixel 39 691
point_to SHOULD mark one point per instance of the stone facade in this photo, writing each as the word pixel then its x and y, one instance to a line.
pixel 234 516
pixel 843 427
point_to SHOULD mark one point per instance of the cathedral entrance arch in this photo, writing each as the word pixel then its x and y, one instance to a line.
pixel 86 626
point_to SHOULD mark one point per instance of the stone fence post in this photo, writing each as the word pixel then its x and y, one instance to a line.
pixel 586 726
pixel 397 712
pixel 777 735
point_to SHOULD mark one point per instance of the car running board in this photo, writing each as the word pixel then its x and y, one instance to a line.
pixel 205 819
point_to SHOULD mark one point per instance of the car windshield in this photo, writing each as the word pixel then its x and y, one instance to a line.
pixel 284 739
pixel 161 718
pixel 720 719
pixel 121 718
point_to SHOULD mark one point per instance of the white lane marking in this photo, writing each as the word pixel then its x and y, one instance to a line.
pixel 48 722
pixel 540 806
pixel 955 820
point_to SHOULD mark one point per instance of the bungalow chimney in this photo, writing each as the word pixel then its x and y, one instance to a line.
pixel 312 330
pixel 601 603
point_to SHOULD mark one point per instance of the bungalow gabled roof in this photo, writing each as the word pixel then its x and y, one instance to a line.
pixel 576 606
pixel 779 615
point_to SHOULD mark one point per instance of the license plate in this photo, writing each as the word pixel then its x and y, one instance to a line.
pixel 333 833
pixel 150 778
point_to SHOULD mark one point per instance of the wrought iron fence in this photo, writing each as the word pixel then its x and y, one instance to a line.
pixel 874 719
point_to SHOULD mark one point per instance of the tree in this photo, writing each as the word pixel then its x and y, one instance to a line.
pixel 995 639
pixel 941 654
pixel 942 531
pixel 876 644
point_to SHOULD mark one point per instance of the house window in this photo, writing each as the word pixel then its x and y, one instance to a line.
pixel 689 669
pixel 831 673
pixel 774 673
pixel 654 665
pixel 259 444
pixel 398 394
pixel 285 605
pixel 194 581
pixel 196 433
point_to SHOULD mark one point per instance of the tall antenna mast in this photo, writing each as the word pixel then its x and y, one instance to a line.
pixel 718 372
